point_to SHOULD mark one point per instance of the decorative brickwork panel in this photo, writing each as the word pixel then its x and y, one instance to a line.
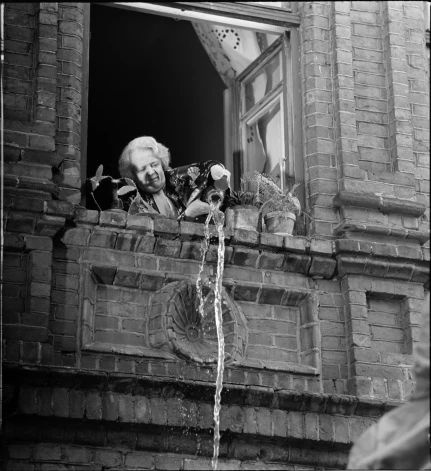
pixel 159 324
pixel 175 324
pixel 386 324
pixel 273 332
pixel 382 319
pixel 131 310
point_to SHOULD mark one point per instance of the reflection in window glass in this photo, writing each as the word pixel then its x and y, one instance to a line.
pixel 260 85
pixel 264 142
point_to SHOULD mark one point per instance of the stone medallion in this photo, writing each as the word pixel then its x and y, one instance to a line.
pixel 176 325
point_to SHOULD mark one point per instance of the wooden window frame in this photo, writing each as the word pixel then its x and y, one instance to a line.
pixel 281 92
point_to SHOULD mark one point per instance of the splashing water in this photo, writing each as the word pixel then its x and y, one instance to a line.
pixel 219 221
pixel 218 217
pixel 206 244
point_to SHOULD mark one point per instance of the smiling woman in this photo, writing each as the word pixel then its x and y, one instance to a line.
pixel 145 161
pixel 150 185
pixel 148 171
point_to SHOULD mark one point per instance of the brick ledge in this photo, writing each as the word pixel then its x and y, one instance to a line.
pixel 233 394
pixel 384 204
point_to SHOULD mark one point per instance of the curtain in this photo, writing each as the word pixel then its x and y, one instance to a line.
pixel 231 51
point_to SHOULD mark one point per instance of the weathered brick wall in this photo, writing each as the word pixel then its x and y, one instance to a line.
pixel 126 419
pixel 68 99
pixel 42 83
pixel 81 305
pixel 20 26
pixel 370 86
pixel 325 325
pixel 365 97
pixel 318 108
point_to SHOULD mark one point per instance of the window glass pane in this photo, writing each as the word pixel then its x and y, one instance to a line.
pixel 263 83
pixel 264 143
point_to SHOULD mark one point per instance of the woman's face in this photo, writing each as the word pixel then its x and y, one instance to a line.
pixel 148 170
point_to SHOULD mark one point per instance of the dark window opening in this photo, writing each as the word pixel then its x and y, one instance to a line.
pixel 149 75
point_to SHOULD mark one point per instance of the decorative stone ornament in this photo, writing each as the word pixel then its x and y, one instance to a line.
pixel 175 324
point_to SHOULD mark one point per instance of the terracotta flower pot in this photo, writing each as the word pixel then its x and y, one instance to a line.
pixel 280 222
pixel 243 217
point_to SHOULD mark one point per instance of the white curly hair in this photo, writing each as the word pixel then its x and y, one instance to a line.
pixel 142 143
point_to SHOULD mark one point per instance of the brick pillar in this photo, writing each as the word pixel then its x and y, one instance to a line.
pixel 30 82
pixel 320 164
pixel 400 119
pixel 418 80
pixel 45 86
pixel 69 94
pixel 346 137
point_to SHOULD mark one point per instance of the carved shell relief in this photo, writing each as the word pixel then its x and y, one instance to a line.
pixel 175 324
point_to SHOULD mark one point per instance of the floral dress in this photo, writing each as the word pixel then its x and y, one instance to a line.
pixel 183 186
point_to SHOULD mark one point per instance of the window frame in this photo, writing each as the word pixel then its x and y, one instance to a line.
pixel 281 92
pixel 261 18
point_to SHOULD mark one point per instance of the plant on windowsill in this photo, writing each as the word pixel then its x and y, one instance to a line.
pixel 103 191
pixel 243 207
pixel 279 209
pixel 266 201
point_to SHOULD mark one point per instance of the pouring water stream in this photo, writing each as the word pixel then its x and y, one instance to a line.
pixel 218 217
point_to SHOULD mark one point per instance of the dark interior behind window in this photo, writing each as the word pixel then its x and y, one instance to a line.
pixel 149 75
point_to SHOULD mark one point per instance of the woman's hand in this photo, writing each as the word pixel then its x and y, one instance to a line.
pixel 197 208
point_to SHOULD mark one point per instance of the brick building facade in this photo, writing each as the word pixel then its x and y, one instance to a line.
pixel 321 327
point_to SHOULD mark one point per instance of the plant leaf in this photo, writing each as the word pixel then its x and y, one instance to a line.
pixel 126 189
pixel 93 182
pixel 130 182
pixel 99 173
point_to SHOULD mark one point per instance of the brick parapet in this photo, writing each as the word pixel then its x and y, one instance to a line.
pixel 114 230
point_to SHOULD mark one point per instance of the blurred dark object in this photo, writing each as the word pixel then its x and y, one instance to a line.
pixel 401 438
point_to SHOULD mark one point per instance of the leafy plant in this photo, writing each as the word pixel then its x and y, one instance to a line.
pixel 109 189
pixel 240 198
pixel 260 190
pixel 277 200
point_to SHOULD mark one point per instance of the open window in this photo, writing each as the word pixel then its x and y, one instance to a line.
pixel 150 75
pixel 263 115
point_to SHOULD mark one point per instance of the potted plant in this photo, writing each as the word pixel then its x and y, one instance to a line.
pixel 279 209
pixel 243 206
